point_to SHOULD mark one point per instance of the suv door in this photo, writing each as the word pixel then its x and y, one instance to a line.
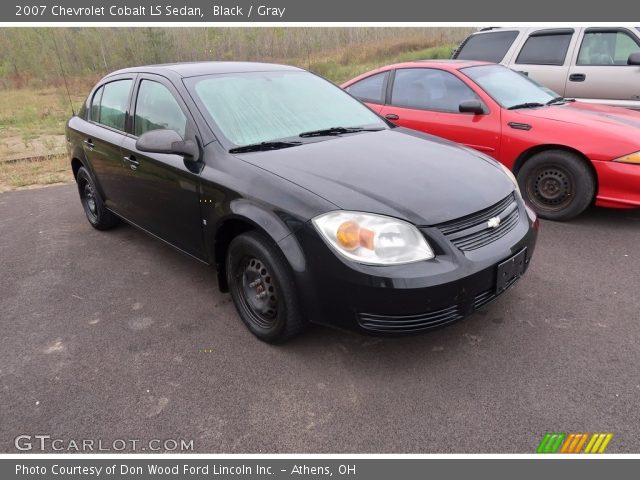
pixel 545 57
pixel 103 137
pixel 163 189
pixel 428 100
pixel 599 70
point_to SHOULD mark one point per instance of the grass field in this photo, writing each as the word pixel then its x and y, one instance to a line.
pixel 32 117
pixel 35 172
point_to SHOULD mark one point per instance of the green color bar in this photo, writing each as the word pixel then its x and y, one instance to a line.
pixel 558 442
pixel 543 443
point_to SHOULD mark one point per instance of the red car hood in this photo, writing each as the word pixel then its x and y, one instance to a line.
pixel 590 116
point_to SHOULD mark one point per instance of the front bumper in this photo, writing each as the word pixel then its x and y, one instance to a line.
pixel 618 184
pixel 406 298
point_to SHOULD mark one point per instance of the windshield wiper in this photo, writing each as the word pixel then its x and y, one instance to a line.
pixel 337 131
pixel 264 146
pixel 559 101
pixel 526 105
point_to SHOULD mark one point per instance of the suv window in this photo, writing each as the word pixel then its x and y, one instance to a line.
pixel 606 48
pixel 157 108
pixel 429 89
pixel 370 89
pixel 545 49
pixel 490 47
pixel 114 103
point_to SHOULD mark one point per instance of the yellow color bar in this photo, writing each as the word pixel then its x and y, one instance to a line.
pixel 606 441
pixel 594 437
pixel 596 446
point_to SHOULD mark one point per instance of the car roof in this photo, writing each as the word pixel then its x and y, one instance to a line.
pixel 193 69
pixel 445 64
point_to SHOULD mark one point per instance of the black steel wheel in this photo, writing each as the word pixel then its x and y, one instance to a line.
pixel 99 217
pixel 259 296
pixel 262 288
pixel 558 184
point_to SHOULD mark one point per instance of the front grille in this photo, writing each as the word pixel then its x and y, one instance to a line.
pixel 484 298
pixel 473 231
pixel 409 323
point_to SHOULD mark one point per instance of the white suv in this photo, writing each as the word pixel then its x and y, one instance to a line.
pixel 594 64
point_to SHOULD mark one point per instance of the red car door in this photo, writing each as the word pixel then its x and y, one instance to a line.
pixel 428 100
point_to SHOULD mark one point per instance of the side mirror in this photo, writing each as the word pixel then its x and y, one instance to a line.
pixel 471 106
pixel 634 59
pixel 167 141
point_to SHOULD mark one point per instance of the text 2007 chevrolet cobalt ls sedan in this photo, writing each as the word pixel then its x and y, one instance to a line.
pixel 310 205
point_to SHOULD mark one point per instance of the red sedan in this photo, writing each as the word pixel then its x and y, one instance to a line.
pixel 565 154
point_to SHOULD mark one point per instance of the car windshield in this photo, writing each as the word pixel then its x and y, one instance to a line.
pixel 507 87
pixel 251 108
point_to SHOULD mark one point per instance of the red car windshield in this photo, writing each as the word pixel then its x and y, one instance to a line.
pixel 507 87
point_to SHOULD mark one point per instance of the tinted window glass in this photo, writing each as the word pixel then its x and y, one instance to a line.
pixel 507 87
pixel 429 89
pixel 157 108
pixel 113 107
pixel 606 48
pixel 490 47
pixel 94 113
pixel 257 107
pixel 545 50
pixel 370 89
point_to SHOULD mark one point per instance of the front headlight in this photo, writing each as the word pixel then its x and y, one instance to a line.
pixel 631 158
pixel 373 239
pixel 510 174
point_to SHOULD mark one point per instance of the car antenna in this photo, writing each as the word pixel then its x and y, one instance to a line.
pixel 64 77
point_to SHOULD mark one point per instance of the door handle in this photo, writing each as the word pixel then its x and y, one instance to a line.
pixel 89 143
pixel 526 74
pixel 392 116
pixel 131 160
pixel 577 77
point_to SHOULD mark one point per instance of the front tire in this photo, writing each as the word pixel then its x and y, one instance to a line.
pixel 262 288
pixel 97 214
pixel 558 184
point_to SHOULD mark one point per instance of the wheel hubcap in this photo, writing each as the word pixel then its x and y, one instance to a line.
pixel 259 292
pixel 551 188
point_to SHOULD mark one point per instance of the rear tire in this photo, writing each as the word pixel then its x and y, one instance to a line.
pixel 97 214
pixel 558 184
pixel 262 288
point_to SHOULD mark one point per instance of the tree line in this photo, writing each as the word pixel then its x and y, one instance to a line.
pixel 38 56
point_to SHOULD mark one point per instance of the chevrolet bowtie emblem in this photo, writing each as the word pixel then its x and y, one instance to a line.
pixel 493 222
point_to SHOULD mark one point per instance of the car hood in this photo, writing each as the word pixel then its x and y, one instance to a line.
pixel 589 115
pixel 398 172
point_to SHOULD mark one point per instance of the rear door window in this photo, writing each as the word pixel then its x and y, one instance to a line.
pixel 489 47
pixel 370 89
pixel 545 49
pixel 114 104
pixel 606 48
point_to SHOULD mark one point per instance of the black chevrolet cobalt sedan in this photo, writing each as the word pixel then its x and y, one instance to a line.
pixel 312 207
